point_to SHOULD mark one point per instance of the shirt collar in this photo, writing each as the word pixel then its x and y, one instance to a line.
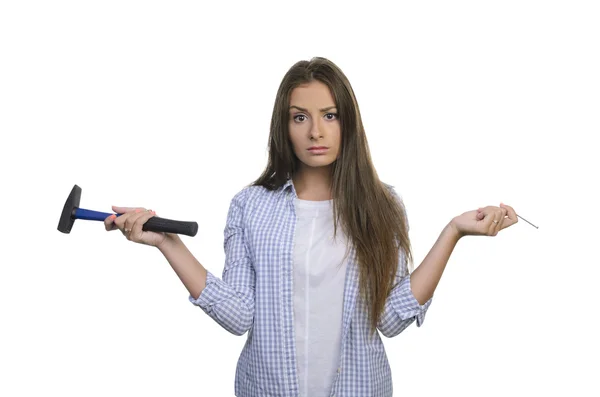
pixel 289 186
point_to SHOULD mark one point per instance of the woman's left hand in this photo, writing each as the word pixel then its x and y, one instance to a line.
pixel 486 221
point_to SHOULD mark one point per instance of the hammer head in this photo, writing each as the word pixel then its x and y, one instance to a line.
pixel 67 218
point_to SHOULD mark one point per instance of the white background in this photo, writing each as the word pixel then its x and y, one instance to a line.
pixel 167 105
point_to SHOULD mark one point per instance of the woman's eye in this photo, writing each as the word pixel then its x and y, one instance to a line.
pixel 326 115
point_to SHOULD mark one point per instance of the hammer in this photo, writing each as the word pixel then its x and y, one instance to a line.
pixel 71 212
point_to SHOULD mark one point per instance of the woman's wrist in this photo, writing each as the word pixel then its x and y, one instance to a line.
pixel 171 240
pixel 453 229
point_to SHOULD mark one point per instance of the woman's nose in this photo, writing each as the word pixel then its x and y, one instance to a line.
pixel 315 130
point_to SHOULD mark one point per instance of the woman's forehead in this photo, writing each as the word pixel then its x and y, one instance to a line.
pixel 314 95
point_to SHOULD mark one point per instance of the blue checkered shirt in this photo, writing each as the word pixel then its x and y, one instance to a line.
pixel 255 295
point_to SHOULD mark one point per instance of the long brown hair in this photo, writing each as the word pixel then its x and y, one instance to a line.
pixel 371 215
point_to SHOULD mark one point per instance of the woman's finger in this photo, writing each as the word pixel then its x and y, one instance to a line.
pixel 121 210
pixel 121 220
pixel 109 222
pixel 136 228
pixel 510 213
pixel 130 220
pixel 499 218
pixel 480 215
pixel 133 217
pixel 505 220
pixel 487 224
pixel 491 214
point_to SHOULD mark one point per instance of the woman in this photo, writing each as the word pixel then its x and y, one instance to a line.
pixel 310 302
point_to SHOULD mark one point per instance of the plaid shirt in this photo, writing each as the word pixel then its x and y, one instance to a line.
pixel 255 295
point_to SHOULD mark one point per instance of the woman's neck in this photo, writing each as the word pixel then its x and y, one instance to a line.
pixel 314 185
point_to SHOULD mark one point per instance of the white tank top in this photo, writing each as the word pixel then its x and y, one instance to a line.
pixel 319 276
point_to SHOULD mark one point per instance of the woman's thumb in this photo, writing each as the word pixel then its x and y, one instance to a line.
pixel 121 210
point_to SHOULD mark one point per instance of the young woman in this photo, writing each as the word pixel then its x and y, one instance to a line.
pixel 312 296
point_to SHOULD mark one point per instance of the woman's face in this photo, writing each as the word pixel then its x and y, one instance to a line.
pixel 313 122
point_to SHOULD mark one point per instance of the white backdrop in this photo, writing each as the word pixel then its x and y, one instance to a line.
pixel 167 105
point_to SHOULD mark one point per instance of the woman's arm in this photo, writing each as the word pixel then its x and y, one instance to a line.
pixel 486 221
pixel 228 300
pixel 191 273
pixel 425 278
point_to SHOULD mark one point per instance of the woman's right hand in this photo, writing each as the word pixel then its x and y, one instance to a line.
pixel 130 224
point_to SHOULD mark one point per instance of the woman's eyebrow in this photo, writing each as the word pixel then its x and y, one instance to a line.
pixel 304 110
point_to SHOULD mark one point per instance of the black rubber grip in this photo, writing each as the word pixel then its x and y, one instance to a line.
pixel 157 224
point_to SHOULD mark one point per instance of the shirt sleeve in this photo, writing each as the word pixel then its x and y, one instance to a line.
pixel 401 307
pixel 230 300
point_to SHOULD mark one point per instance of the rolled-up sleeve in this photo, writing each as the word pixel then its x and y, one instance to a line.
pixel 230 300
pixel 401 307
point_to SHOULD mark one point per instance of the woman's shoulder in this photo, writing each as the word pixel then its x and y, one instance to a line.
pixel 255 194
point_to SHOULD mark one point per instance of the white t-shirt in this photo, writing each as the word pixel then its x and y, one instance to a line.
pixel 319 275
